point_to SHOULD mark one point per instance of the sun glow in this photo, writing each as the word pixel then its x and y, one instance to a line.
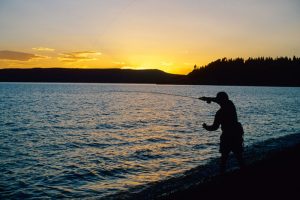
pixel 170 35
pixel 156 62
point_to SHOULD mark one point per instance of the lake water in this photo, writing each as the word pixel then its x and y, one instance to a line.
pixel 94 140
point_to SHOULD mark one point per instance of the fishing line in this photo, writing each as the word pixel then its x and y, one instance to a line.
pixel 161 93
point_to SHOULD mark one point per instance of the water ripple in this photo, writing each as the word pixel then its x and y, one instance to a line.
pixel 93 140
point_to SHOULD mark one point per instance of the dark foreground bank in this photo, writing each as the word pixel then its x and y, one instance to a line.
pixel 277 176
pixel 273 171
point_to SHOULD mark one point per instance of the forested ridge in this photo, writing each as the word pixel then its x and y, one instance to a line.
pixel 281 71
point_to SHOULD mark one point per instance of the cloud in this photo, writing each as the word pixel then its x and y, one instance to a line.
pixel 43 49
pixel 20 56
pixel 79 56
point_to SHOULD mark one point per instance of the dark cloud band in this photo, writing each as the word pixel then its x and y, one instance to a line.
pixel 14 55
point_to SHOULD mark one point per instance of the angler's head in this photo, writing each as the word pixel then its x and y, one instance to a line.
pixel 222 97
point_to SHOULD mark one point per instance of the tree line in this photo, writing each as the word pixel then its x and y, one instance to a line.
pixel 280 71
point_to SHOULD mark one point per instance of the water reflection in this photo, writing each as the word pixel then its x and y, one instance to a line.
pixel 78 140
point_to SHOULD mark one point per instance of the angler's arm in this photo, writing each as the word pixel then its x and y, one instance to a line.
pixel 214 126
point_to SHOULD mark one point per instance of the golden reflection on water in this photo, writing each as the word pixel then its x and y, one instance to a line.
pixel 135 139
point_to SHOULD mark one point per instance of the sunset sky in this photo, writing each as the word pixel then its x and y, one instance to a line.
pixel 171 35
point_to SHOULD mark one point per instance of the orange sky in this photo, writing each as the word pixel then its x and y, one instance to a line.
pixel 171 35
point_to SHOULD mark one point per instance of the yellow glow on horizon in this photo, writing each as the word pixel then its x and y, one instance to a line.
pixel 157 62
pixel 94 59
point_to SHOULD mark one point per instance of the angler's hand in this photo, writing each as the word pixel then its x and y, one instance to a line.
pixel 207 99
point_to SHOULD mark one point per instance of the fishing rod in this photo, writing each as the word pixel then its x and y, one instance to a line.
pixel 161 93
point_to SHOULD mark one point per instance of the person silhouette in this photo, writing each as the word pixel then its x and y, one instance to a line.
pixel 231 138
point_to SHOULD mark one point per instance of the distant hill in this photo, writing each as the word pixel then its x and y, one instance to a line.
pixel 253 71
pixel 262 71
pixel 88 75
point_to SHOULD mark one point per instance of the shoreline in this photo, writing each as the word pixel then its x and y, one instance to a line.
pixel 141 83
pixel 275 175
pixel 272 170
pixel 151 76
